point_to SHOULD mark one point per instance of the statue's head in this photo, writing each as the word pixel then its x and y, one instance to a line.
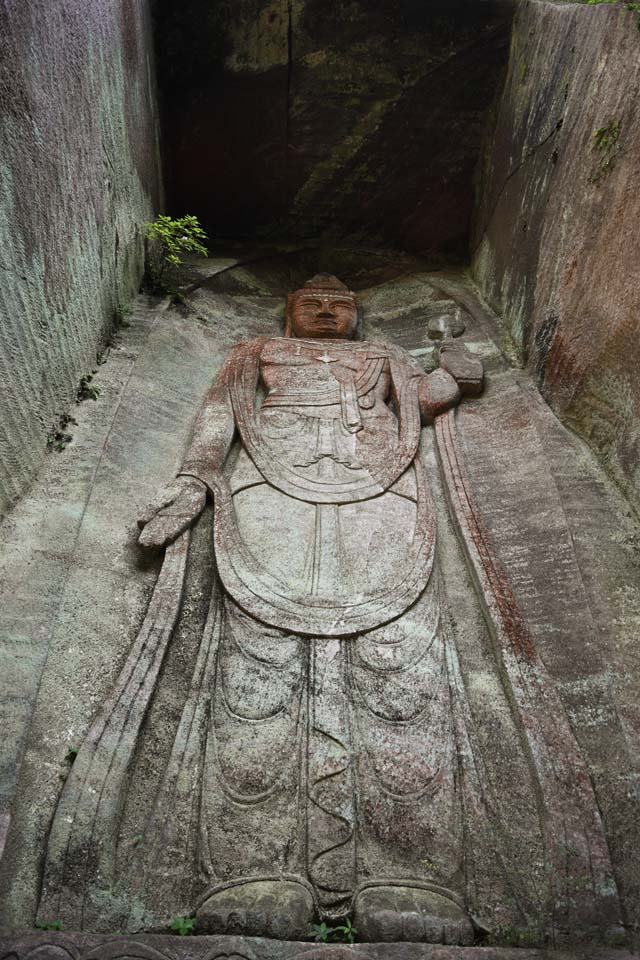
pixel 322 308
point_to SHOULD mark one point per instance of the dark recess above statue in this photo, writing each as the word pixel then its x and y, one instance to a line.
pixel 302 118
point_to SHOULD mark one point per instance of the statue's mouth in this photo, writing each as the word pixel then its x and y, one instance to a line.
pixel 325 326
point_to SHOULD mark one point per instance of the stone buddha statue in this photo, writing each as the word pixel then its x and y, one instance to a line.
pixel 328 650
pixel 324 763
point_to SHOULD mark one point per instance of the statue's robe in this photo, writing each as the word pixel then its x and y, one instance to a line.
pixel 331 715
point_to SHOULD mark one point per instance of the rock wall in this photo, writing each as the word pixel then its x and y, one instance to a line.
pixel 297 118
pixel 79 172
pixel 557 246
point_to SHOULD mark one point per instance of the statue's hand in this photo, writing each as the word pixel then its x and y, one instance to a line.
pixel 172 511
pixel 465 368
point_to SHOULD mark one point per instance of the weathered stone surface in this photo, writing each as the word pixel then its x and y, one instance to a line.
pixel 307 119
pixel 556 246
pixel 80 173
pixel 578 684
pixel 79 522
pixel 60 946
pixel 41 537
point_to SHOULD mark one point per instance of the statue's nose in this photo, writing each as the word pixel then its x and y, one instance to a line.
pixel 325 312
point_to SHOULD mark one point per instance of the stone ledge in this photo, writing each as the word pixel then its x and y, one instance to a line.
pixel 41 945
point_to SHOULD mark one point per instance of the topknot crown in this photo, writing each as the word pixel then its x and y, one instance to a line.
pixel 326 283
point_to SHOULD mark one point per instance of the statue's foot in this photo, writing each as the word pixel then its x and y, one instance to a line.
pixel 392 913
pixel 282 909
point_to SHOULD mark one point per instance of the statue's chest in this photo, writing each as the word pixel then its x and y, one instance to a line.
pixel 296 367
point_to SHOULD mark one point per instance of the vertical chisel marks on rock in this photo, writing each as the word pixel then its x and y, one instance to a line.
pixel 568 809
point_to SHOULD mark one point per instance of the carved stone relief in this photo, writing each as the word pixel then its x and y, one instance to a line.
pixel 326 760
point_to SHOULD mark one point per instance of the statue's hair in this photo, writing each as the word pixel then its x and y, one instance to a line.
pixel 321 283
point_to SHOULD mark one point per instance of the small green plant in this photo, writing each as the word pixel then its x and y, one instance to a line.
pixel 183 926
pixel 345 932
pixel 48 925
pixel 72 753
pixel 86 390
pixel 320 932
pixel 58 438
pixel 342 933
pixel 170 238
pixel 606 140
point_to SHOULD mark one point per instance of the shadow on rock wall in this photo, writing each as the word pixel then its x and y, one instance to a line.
pixel 303 119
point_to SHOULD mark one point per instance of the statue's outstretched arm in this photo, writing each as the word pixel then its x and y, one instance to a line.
pixel 213 433
pixel 182 501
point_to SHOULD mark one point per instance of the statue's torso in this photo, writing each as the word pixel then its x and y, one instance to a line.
pixel 321 475
pixel 324 404
pixel 310 374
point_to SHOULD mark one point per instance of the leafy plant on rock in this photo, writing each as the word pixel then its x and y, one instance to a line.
pixel 342 933
pixel 345 931
pixel 169 239
pixel 86 390
pixel 58 438
pixel 320 932
pixel 183 926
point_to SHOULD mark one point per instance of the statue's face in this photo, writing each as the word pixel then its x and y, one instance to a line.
pixel 329 316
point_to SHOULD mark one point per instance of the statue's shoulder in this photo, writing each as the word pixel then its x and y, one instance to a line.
pixel 247 349
pixel 403 365
pixel 384 348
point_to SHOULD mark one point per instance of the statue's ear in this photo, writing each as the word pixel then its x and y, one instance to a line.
pixel 287 316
